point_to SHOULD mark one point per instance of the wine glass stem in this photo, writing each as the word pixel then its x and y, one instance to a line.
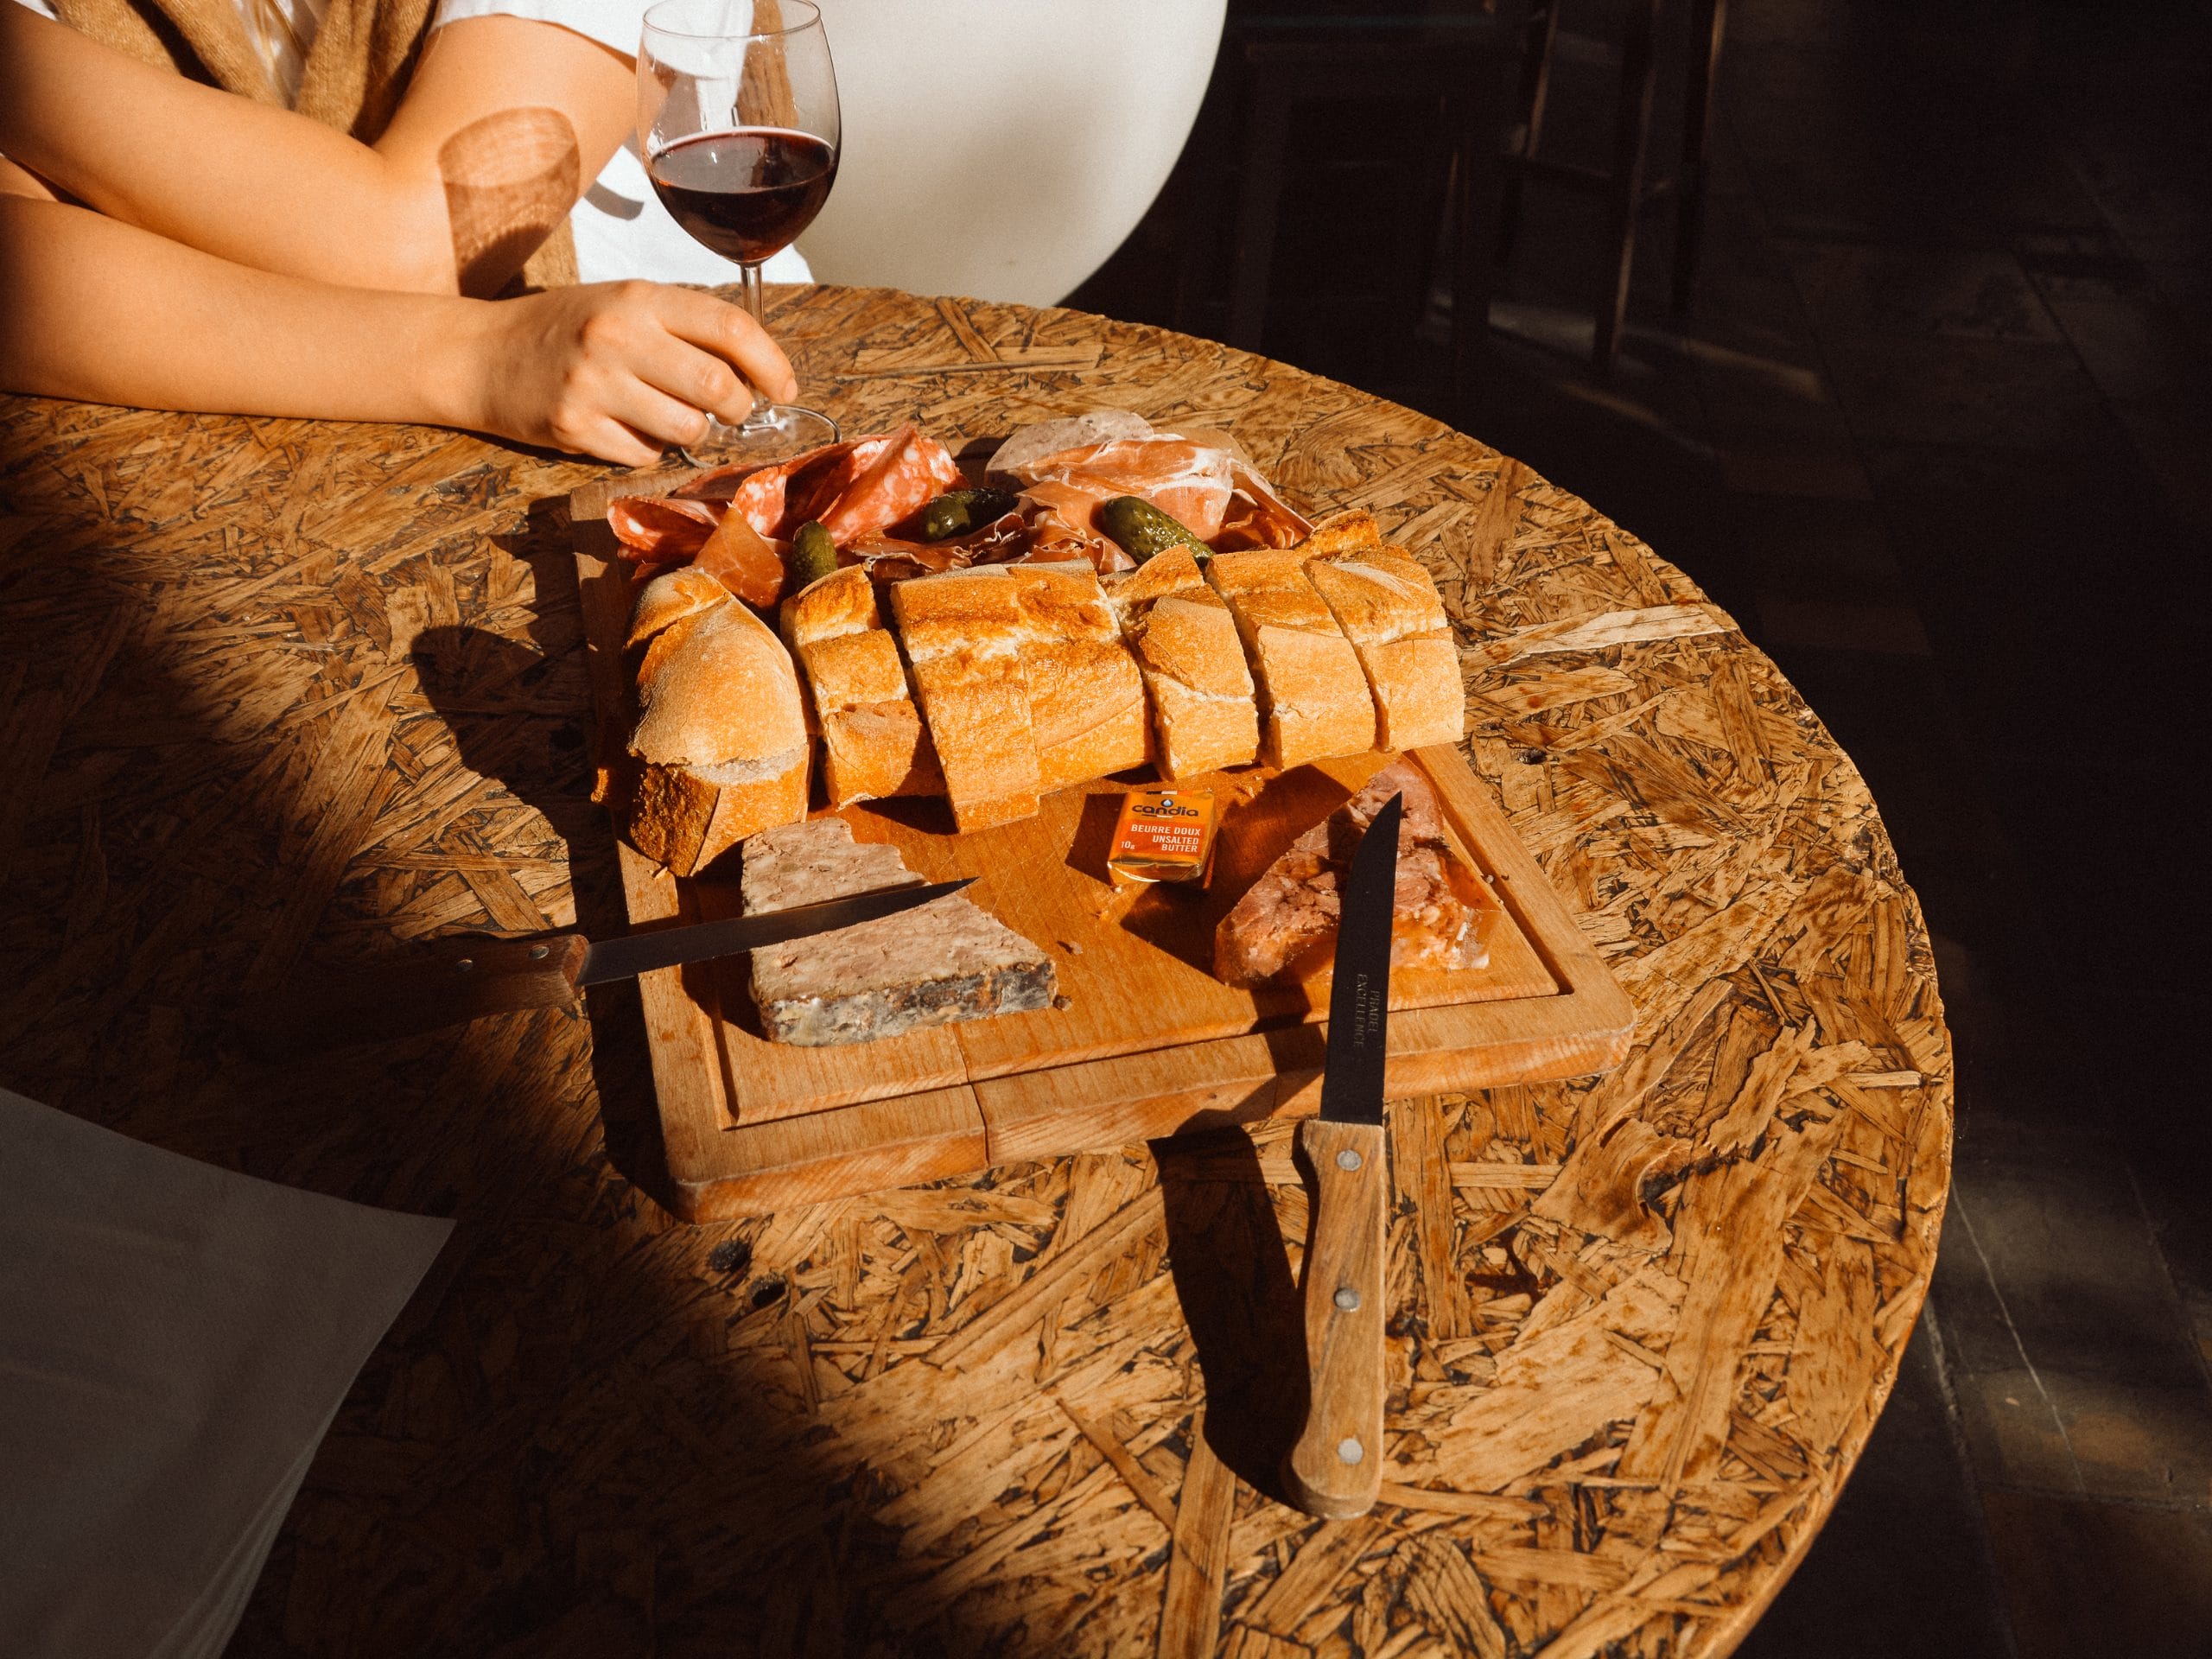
pixel 750 275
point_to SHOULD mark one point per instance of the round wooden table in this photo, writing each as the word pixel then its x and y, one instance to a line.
pixel 279 692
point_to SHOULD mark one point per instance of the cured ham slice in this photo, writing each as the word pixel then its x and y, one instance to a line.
pixel 1062 521
pixel 1443 914
pixel 743 561
pixel 1192 482
pixel 659 529
pixel 1255 516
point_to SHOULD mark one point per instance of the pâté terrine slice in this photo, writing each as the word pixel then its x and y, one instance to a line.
pixel 946 961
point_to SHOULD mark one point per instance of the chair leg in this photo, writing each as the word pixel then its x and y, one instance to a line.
pixel 1535 90
pixel 1708 22
pixel 1631 140
pixel 1266 136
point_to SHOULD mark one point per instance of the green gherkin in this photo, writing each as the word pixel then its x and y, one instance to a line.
pixel 958 512
pixel 1142 531
pixel 814 556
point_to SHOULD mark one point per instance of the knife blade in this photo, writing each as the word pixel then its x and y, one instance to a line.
pixel 1335 1470
pixel 451 981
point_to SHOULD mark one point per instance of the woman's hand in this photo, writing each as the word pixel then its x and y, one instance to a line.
pixel 621 371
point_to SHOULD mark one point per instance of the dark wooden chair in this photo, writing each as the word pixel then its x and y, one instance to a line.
pixel 1626 188
pixel 1456 56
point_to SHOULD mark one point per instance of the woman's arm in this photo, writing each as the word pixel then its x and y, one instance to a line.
pixel 103 311
pixel 505 123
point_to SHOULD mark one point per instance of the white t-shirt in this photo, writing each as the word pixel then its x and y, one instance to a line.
pixel 620 226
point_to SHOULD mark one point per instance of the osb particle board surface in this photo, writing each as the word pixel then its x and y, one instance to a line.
pixel 273 692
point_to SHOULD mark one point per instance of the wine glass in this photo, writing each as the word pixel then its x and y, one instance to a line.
pixel 737 120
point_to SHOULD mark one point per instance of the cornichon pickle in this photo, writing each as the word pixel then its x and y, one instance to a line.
pixel 958 512
pixel 814 556
pixel 1144 531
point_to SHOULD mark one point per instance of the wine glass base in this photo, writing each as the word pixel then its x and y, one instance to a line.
pixel 773 432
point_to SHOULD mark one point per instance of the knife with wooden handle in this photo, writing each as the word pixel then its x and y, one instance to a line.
pixel 1336 1468
pixel 451 981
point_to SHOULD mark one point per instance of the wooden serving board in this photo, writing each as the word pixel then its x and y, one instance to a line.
pixel 1144 1040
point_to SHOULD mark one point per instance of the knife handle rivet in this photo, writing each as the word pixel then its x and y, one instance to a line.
pixel 1347 1298
pixel 1349 1450
pixel 463 965
pixel 1348 1159
pixel 539 953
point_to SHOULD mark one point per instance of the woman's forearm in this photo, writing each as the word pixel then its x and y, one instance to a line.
pixel 106 311
pixel 111 314
pixel 504 124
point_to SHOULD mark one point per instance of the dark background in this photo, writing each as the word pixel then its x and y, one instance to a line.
pixel 1937 428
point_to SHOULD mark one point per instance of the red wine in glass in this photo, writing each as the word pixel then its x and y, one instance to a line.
pixel 738 127
pixel 747 193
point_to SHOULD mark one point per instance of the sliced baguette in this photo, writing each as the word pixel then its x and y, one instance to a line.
pixel 1203 712
pixel 721 736
pixel 962 631
pixel 1389 608
pixel 1312 695
pixel 1086 695
pixel 860 698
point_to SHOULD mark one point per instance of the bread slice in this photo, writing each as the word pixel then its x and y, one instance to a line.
pixel 1312 695
pixel 861 700
pixel 669 598
pixel 721 735
pixel 1389 608
pixel 1086 696
pixel 963 631
pixel 688 817
pixel 1204 714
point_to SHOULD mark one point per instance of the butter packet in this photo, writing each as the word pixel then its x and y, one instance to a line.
pixel 1164 834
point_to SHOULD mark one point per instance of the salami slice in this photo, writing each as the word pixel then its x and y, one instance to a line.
pixel 660 530
pixel 905 474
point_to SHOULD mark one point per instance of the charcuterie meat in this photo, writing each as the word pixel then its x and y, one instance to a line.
pixel 1192 482
pixel 1442 913
pixel 660 530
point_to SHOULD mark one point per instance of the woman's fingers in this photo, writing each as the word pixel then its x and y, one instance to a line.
pixel 655 416
pixel 724 329
pixel 691 376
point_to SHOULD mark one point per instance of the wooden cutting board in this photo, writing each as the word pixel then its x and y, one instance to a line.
pixel 1144 1040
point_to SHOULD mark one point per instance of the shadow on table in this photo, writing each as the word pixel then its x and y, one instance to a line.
pixel 537 1460
pixel 516 720
pixel 1231 1269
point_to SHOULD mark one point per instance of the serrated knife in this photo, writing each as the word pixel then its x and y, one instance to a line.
pixel 1336 1468
pixel 451 981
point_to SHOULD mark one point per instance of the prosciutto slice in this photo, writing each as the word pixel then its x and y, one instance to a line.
pixel 1062 520
pixel 1256 517
pixel 1192 482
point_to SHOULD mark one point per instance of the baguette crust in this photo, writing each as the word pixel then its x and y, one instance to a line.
pixel 1086 695
pixel 860 697
pixel 671 596
pixel 1205 716
pixel 962 631
pixel 715 687
pixel 1312 694
pixel 1389 608
pixel 840 603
